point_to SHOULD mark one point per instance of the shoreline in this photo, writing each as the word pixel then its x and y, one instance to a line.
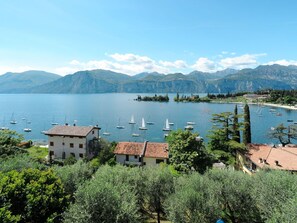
pixel 254 103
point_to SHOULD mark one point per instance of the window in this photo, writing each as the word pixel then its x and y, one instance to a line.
pixel 81 155
pixel 159 161
pixel 127 157
pixel 135 157
pixel 51 153
pixel 71 136
pixel 63 143
pixel 51 143
pixel 81 146
pixel 71 145
pixel 72 154
pixel 93 132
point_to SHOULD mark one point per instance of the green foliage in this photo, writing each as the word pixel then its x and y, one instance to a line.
pixel 222 145
pixel 9 141
pixel 73 176
pixel 195 200
pixel 247 135
pixel 283 134
pixel 159 98
pixel 108 197
pixel 275 191
pixel 187 152
pixel 38 153
pixel 106 155
pixel 31 196
pixel 70 160
pixel 19 163
pixel 159 185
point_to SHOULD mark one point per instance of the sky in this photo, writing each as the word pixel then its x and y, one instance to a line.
pixel 134 36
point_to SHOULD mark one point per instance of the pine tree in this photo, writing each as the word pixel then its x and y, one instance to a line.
pixel 236 132
pixel 247 125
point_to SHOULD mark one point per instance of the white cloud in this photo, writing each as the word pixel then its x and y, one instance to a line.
pixel 124 63
pixel 240 62
pixel 205 65
pixel 178 64
pixel 283 62
pixel 18 69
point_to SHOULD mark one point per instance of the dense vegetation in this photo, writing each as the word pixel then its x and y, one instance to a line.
pixel 159 98
pixel 191 98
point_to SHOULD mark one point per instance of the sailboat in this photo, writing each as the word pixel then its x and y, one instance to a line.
pixel 142 127
pixel 27 129
pixel 119 126
pixel 4 126
pixel 167 126
pixel 53 122
pixel 106 133
pixel 13 121
pixel 132 122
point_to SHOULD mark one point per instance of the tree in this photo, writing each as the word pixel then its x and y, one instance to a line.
pixel 9 141
pixel 247 137
pixel 108 197
pixel 31 196
pixel 236 132
pixel 221 144
pixel 196 199
pixel 159 186
pixel 187 151
pixel 73 176
pixel 283 134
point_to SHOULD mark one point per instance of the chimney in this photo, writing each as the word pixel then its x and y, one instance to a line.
pixel 276 162
pixel 74 124
pixel 260 160
pixel 66 124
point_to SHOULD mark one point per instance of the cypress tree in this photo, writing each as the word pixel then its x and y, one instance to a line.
pixel 247 138
pixel 236 132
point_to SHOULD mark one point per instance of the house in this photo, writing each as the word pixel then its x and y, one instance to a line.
pixel 77 141
pixel 137 153
pixel 260 156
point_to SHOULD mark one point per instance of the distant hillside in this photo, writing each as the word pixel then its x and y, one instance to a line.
pixel 94 81
pixel 103 81
pixel 23 82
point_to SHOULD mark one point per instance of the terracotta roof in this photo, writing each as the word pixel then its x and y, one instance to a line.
pixel 156 150
pixel 129 148
pixel 286 156
pixel 152 149
pixel 66 130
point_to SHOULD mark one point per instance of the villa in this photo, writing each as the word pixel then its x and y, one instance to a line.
pixel 76 141
pixel 141 154
pixel 261 156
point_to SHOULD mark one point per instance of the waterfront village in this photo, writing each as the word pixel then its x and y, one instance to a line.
pixel 81 177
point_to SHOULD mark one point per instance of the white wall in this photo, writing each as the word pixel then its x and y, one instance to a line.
pixel 59 148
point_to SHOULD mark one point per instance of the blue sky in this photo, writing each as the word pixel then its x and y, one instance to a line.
pixel 134 36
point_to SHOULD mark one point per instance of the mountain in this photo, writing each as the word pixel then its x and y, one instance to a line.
pixel 103 81
pixel 23 82
pixel 90 81
pixel 262 77
pixel 146 74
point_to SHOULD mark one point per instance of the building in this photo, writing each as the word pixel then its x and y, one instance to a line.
pixel 78 141
pixel 136 153
pixel 260 156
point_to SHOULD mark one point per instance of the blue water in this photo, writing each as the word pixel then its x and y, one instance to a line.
pixel 110 110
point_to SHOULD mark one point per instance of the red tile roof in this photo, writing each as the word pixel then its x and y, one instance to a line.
pixel 129 148
pixel 156 150
pixel 286 156
pixel 66 130
pixel 153 149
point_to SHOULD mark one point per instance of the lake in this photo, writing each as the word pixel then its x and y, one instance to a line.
pixel 38 111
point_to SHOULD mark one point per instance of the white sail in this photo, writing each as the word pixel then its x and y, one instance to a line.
pixel 132 121
pixel 167 124
pixel 142 125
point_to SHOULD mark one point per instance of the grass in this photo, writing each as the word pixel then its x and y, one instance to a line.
pixel 37 152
